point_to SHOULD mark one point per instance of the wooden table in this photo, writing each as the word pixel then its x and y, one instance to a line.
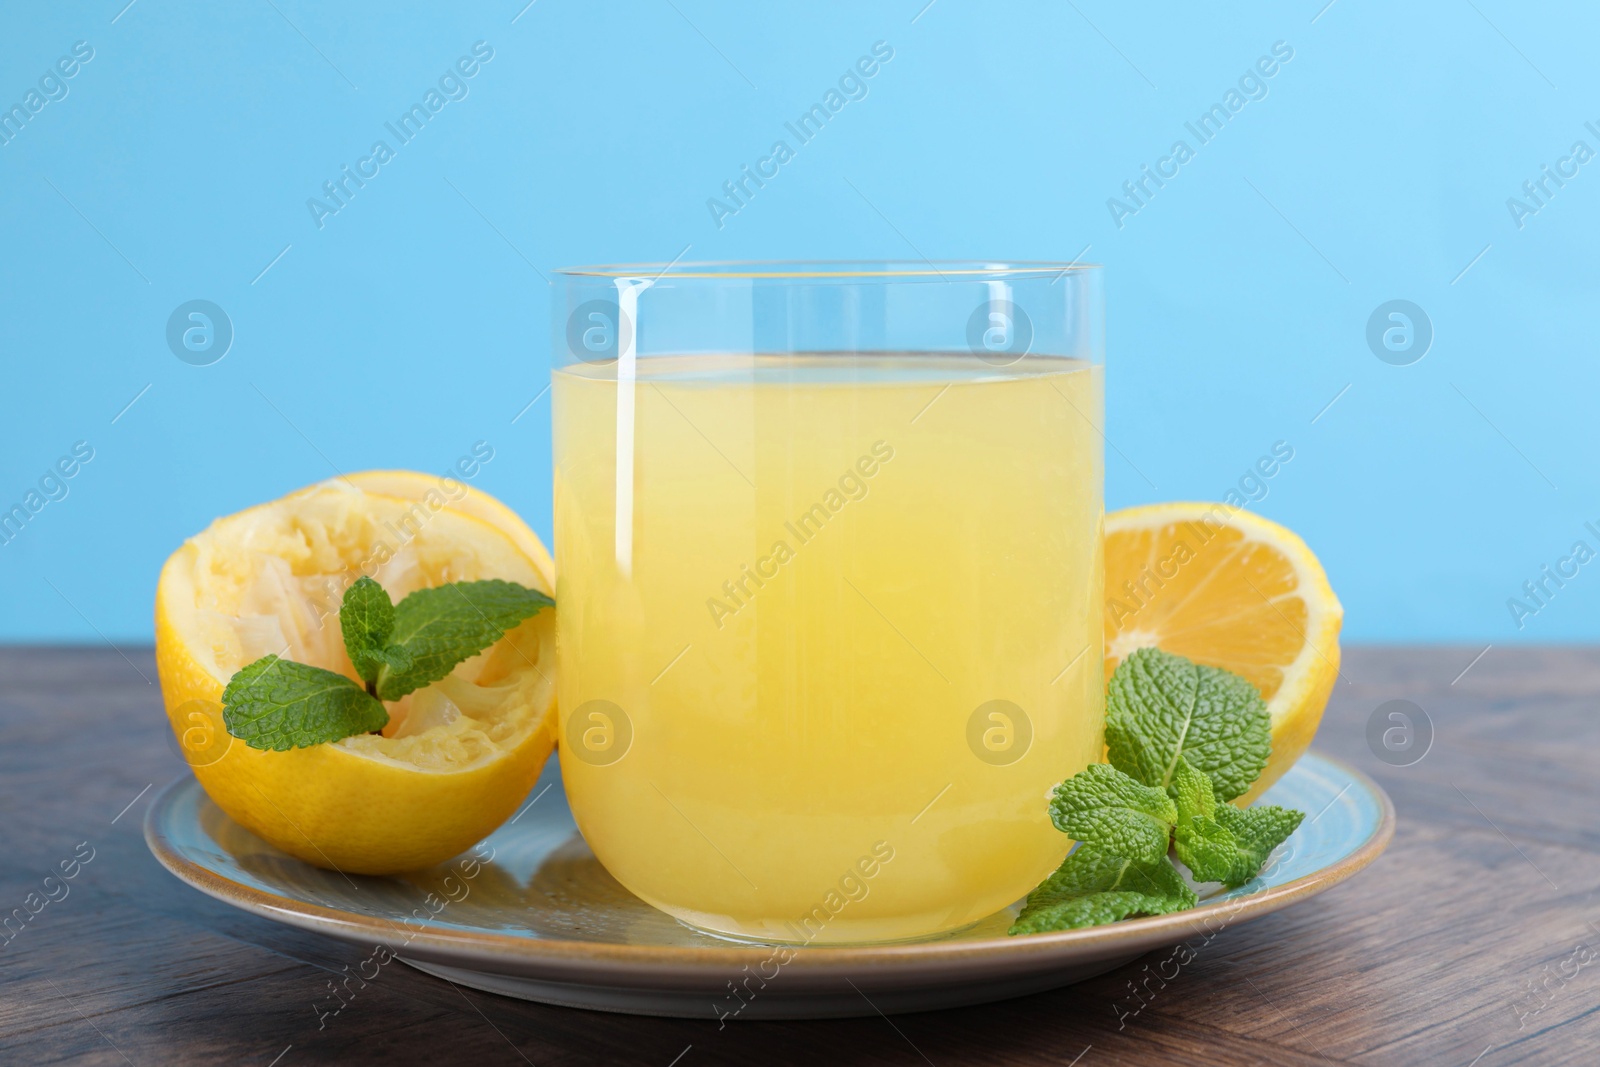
pixel 1474 940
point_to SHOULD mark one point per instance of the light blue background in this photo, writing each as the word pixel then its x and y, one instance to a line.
pixel 414 323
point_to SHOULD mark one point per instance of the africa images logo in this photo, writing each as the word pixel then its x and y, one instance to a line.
pixel 199 332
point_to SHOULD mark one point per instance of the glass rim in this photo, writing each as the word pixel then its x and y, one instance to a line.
pixel 734 270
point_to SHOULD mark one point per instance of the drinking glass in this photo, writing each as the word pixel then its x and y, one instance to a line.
pixel 829 589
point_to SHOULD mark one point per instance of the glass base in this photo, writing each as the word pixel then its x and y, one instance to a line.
pixel 838 929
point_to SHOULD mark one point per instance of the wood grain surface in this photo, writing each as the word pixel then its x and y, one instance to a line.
pixel 1474 941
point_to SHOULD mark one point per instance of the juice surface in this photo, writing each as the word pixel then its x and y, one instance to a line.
pixel 828 632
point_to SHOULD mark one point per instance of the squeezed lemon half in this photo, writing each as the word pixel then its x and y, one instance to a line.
pixel 456 757
pixel 1230 589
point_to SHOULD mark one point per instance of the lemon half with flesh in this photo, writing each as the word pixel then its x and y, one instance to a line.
pixel 456 757
pixel 1230 589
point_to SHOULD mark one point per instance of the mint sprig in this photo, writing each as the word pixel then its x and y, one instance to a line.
pixel 278 704
pixel 1183 739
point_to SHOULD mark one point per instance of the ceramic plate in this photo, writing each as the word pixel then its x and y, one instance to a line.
pixel 539 918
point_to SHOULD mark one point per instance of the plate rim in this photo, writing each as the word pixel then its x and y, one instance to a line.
pixel 587 960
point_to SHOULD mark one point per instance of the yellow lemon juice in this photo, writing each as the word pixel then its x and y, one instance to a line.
pixel 829 629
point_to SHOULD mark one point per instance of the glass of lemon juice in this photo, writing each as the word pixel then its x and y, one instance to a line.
pixel 829 594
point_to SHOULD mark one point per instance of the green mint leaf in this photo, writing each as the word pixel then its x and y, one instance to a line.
pixel 1191 792
pixel 278 704
pixel 395 658
pixel 440 627
pixel 1204 845
pixel 1160 707
pixel 1102 806
pixel 1095 885
pixel 1211 853
pixel 1258 830
pixel 366 618
pixel 1218 842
